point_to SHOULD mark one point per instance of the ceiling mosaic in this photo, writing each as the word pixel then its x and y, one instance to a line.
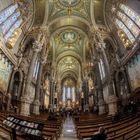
pixel 69 2
pixel 69 36
pixel 68 63
pixel 68 40
pixel 59 8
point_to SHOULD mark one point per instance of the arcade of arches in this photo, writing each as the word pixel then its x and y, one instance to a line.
pixel 69 55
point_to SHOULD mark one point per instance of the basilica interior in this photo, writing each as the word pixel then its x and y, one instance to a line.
pixel 68 68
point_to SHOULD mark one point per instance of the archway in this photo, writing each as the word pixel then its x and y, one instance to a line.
pixel 68 93
pixel 122 87
pixel 1 100
pixel 15 89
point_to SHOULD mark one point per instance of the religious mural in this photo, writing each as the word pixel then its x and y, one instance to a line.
pixel 5 68
pixel 134 72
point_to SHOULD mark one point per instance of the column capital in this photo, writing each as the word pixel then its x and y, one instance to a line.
pixel 43 60
pixel 37 46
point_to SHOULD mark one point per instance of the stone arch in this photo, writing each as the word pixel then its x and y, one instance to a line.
pixel 15 86
pixel 1 99
pixel 121 84
pixel 110 49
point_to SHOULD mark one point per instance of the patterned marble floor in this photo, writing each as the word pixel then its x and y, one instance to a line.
pixel 68 132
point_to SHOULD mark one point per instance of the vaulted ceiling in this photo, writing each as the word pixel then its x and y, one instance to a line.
pixel 69 22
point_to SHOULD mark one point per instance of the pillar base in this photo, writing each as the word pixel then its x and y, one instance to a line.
pixel 101 106
pixel 36 106
pixel 112 105
pixel 25 106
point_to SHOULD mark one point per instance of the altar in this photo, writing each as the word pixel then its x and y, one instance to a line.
pixel 69 104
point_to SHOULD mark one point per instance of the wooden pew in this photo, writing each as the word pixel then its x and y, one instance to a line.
pixel 51 130
pixel 114 131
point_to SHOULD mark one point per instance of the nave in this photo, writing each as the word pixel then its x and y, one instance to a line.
pixel 68 129
pixel 69 69
pixel 66 126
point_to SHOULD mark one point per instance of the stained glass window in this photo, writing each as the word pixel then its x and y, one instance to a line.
pixel 7 12
pixel 121 25
pixel 68 94
pixel 64 92
pixel 10 20
pixel 10 32
pixel 129 23
pixel 8 23
pixel 73 94
pixel 101 68
pixel 37 69
pixel 131 13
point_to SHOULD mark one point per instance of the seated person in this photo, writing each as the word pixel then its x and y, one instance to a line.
pixel 100 135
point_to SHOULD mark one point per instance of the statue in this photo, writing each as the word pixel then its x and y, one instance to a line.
pixel 46 87
pixel 90 84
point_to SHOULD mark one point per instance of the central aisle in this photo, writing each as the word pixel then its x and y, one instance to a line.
pixel 68 131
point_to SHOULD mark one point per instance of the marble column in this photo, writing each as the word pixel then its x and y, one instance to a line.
pixel 36 102
pixel 112 102
pixel 25 100
pixel 8 101
pixel 95 50
pixel 51 96
pixel 112 99
pixel 86 92
pixel 71 96
pixel 66 93
pixel 101 102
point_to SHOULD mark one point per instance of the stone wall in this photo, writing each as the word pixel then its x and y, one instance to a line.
pixel 105 93
pixel 32 93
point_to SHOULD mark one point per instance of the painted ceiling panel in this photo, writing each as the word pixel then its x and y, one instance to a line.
pixel 68 39
pixel 98 11
pixel 40 11
pixel 59 8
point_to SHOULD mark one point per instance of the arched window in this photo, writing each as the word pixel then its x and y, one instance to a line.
pixel 36 69
pixel 125 29
pixel 129 22
pixel 73 94
pixel 10 20
pixel 68 94
pixel 101 68
pixel 131 14
pixel 64 92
